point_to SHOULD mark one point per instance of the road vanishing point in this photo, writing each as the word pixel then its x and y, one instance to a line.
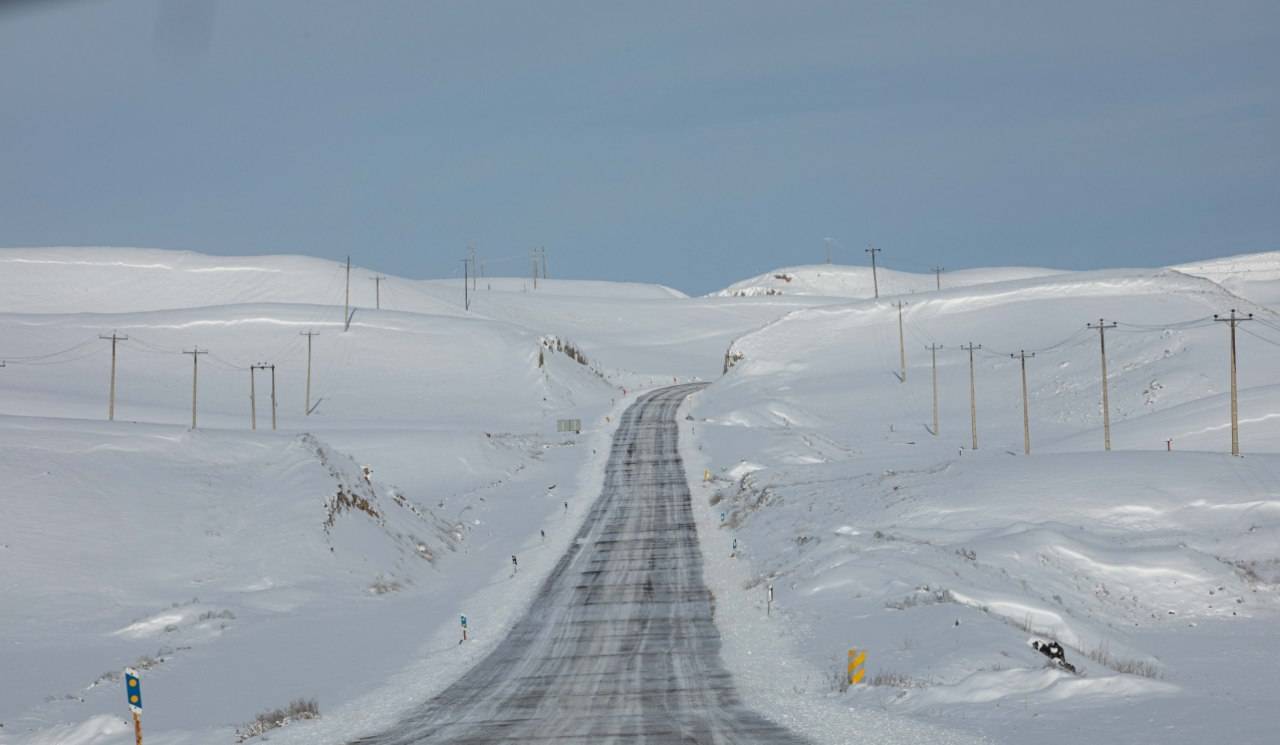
pixel 620 645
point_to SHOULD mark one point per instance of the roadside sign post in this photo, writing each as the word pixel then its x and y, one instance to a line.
pixel 856 671
pixel 464 628
pixel 769 611
pixel 133 694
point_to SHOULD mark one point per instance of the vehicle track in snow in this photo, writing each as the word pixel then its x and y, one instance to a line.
pixel 620 644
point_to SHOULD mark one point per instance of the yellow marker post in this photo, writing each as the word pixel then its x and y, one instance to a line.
pixel 856 671
pixel 706 474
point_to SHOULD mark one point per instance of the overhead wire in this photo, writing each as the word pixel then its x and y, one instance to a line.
pixel 15 358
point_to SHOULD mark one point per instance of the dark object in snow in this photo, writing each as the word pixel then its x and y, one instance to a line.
pixel 1055 653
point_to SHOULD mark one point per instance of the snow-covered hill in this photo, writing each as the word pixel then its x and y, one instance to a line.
pixel 244 569
pixel 1152 567
pixel 834 280
pixel 213 553
pixel 1253 276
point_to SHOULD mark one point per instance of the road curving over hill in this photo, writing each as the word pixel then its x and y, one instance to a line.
pixel 620 645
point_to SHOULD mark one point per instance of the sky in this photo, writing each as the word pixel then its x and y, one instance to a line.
pixel 687 143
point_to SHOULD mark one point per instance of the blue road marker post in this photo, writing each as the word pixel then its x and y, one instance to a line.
pixel 133 694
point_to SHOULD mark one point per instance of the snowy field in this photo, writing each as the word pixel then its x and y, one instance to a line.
pixel 243 569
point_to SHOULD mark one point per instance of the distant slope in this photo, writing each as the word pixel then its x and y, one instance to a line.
pixel 121 280
pixel 1252 276
pixel 831 280
pixel 1168 352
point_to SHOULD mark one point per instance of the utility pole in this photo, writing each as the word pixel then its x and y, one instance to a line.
pixel 533 258
pixel 195 376
pixel 346 304
pixel 973 399
pixel 902 344
pixel 937 273
pixel 466 284
pixel 1026 419
pixel 1102 327
pixel 273 398
pixel 875 283
pixel 542 251
pixel 377 291
pixel 252 401
pixel 1233 320
pixel 475 265
pixel 933 354
pixel 111 400
pixel 309 334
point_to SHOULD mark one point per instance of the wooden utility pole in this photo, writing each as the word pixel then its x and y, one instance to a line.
pixel 253 401
pixel 377 291
pixel 1102 327
pixel 273 398
pixel 933 355
pixel 973 399
pixel 1026 417
pixel 542 253
pixel 1233 320
pixel 111 398
pixel 475 264
pixel 875 283
pixel 253 419
pixel 466 284
pixel 309 334
pixel 937 273
pixel 902 344
pixel 533 258
pixel 195 376
pixel 346 304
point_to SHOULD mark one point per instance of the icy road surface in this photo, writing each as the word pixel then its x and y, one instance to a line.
pixel 620 645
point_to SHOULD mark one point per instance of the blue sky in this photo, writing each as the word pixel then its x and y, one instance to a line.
pixel 688 143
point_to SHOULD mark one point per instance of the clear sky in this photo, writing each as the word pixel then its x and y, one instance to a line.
pixel 691 143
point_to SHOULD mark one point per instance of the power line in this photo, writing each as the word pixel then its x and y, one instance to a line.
pixel 19 358
pixel 44 363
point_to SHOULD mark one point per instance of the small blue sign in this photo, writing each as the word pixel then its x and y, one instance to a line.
pixel 133 689
pixel 464 622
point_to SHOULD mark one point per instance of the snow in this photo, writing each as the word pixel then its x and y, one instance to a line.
pixel 834 280
pixel 225 560
pixel 939 560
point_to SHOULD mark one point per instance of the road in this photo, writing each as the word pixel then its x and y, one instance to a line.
pixel 620 645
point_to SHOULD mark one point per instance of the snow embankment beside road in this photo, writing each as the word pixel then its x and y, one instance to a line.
pixel 1158 570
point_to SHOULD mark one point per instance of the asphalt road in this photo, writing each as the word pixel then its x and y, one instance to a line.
pixel 620 645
